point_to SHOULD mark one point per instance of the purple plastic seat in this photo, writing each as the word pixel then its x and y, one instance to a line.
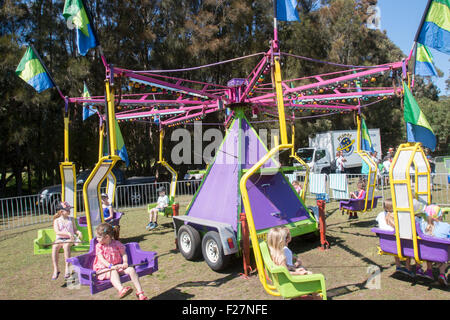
pixel 115 221
pixel 82 264
pixel 357 205
pixel 430 248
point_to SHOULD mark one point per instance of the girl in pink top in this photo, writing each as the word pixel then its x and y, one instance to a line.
pixel 111 261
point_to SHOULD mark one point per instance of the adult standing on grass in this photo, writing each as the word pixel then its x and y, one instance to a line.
pixel 340 163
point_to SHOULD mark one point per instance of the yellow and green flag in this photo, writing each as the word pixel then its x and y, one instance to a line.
pixel 31 70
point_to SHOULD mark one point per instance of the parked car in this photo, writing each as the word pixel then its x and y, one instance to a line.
pixel 136 194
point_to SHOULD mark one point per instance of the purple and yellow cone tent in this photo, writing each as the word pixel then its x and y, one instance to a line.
pixel 273 199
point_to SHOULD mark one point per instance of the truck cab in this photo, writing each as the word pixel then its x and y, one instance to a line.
pixel 318 160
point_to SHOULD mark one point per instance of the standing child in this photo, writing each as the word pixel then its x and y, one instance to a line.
pixel 163 202
pixel 65 229
pixel 111 261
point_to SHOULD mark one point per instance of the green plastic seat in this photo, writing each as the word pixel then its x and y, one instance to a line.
pixel 168 211
pixel 288 285
pixel 42 244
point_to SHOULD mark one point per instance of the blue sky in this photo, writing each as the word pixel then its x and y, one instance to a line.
pixel 401 19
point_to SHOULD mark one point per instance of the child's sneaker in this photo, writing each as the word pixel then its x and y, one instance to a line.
pixel 428 275
pixel 442 279
pixel 404 271
pixel 154 225
pixel 419 272
pixel 149 225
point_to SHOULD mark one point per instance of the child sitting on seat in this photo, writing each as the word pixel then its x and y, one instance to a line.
pixel 108 211
pixel 65 229
pixel 111 261
pixel 385 221
pixel 297 187
pixel 163 202
pixel 291 264
pixel 276 241
pixel 432 225
pixel 358 194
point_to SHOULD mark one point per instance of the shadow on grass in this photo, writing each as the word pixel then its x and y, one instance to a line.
pixel 345 289
pixel 176 294
pixel 431 284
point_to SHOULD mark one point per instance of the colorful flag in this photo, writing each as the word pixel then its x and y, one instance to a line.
pixel 417 127
pixel 88 110
pixel 366 143
pixel 121 150
pixel 76 16
pixel 434 32
pixel 286 10
pixel 31 70
pixel 424 62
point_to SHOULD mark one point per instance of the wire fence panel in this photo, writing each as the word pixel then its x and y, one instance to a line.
pixel 18 212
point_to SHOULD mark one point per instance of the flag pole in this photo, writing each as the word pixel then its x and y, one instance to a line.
pixel 423 20
pixel 48 72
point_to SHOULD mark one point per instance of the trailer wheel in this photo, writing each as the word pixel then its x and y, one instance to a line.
pixel 189 242
pixel 213 252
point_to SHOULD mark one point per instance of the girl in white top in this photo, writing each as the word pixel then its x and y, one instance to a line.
pixel 65 230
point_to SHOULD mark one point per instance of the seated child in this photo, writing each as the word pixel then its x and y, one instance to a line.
pixel 111 261
pixel 163 202
pixel 433 225
pixel 108 211
pixel 385 221
pixel 358 194
pixel 277 240
pixel 297 187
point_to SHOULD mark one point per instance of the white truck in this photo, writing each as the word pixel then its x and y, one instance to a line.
pixel 323 147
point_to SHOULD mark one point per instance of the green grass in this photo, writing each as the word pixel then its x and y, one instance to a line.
pixel 353 249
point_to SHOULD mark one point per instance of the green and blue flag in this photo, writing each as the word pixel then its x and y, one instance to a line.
pixel 435 30
pixel 424 62
pixel 417 127
pixel 286 10
pixel 121 150
pixel 31 70
pixel 88 110
pixel 75 14
pixel 366 143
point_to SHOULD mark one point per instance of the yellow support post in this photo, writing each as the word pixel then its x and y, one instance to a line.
pixel 248 211
pixel 111 118
pixel 280 101
pixel 66 138
pixel 303 163
pixel 173 183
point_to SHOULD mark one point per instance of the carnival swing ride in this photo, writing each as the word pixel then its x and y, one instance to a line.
pixel 244 169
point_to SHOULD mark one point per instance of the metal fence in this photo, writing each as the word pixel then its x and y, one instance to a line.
pixel 23 211
pixel 17 212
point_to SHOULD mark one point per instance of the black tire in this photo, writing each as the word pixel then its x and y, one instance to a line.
pixel 136 196
pixel 189 242
pixel 213 252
